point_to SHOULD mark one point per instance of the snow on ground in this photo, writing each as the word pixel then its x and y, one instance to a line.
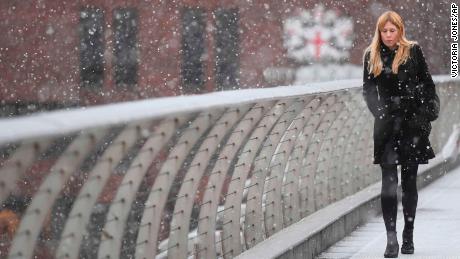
pixel 437 227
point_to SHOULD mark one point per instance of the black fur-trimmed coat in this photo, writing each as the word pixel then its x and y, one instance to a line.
pixel 403 106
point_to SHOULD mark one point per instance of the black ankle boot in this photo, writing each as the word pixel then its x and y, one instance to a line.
pixel 392 249
pixel 408 243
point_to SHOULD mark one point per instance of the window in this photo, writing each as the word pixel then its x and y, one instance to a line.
pixel 125 26
pixel 226 48
pixel 91 31
pixel 193 29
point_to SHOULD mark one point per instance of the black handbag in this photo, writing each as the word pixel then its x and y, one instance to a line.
pixel 428 100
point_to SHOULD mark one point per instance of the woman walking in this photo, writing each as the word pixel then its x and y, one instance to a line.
pixel 400 93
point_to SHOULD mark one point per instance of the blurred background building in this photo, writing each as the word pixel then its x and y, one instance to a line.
pixel 58 54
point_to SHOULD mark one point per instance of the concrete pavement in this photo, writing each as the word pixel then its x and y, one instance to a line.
pixel 437 226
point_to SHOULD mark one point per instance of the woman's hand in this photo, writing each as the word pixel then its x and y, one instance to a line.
pixel 418 124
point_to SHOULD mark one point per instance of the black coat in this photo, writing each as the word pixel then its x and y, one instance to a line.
pixel 403 106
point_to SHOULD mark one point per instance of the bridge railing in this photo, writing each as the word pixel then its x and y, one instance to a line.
pixel 192 176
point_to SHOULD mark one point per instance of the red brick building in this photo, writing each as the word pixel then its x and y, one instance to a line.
pixel 57 54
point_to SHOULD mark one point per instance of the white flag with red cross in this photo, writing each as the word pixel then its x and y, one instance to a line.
pixel 318 36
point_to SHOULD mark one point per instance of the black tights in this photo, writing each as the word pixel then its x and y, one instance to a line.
pixel 389 195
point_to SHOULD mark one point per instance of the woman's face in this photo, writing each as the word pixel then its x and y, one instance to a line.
pixel 389 35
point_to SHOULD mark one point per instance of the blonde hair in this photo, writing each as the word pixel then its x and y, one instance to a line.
pixel 375 63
